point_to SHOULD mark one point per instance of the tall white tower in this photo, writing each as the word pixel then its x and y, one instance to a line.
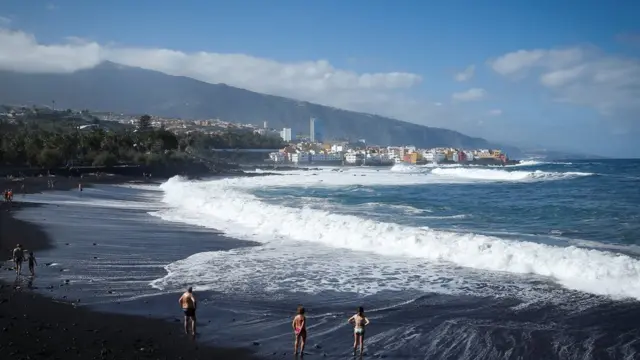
pixel 265 124
pixel 312 130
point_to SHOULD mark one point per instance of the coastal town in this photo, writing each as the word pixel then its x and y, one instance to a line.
pixel 308 147
pixel 313 149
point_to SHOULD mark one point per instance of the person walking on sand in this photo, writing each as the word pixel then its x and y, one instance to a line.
pixel 188 303
pixel 32 263
pixel 299 325
pixel 18 258
pixel 359 321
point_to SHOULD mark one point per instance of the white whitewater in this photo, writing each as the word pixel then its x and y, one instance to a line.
pixel 396 256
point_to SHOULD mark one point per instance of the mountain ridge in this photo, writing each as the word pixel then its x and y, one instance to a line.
pixel 129 89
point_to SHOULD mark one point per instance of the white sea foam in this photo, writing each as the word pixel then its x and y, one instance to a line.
pixel 482 173
pixel 227 205
pixel 538 163
pixel 504 175
pixel 89 198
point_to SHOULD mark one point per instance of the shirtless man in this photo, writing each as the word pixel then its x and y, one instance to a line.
pixel 18 258
pixel 359 321
pixel 188 304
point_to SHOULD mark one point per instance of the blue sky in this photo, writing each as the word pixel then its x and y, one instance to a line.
pixel 572 86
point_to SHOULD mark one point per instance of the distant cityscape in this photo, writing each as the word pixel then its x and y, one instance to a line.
pixel 312 150
pixel 309 148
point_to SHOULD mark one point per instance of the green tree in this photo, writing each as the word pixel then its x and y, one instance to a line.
pixel 144 123
pixel 105 159
pixel 50 158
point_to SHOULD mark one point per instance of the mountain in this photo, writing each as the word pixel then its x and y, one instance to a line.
pixel 118 88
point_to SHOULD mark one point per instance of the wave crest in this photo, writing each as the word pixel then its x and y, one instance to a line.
pixel 221 205
pixel 504 175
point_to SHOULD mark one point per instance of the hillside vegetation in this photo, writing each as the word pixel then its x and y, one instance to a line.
pixel 50 142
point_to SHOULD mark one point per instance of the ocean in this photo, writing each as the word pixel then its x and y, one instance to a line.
pixel 534 261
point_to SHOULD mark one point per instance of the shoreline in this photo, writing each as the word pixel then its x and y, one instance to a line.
pixel 39 327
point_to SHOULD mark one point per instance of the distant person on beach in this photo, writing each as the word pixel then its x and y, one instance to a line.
pixel 18 258
pixel 80 186
pixel 32 263
pixel 188 303
pixel 299 325
pixel 359 321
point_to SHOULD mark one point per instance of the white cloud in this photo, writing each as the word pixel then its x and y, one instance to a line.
pixel 316 81
pixel 495 112
pixel 466 75
pixel 562 77
pixel 523 60
pixel 581 76
pixel 469 95
pixel 5 21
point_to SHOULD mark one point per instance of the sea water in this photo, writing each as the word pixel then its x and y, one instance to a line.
pixel 534 261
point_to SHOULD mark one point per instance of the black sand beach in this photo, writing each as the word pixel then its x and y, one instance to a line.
pixel 35 327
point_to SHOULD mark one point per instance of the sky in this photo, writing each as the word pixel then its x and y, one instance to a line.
pixel 561 75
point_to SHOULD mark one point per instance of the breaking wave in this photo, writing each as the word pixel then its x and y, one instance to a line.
pixel 228 205
pixel 485 173
pixel 504 175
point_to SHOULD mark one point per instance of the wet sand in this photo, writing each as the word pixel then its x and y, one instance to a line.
pixel 36 327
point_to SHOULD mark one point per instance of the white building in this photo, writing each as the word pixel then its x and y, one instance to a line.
pixel 278 157
pixel 285 134
pixel 428 155
pixel 320 157
pixel 337 148
pixel 312 130
pixel 469 155
pixel 439 155
pixel 299 158
pixel 351 158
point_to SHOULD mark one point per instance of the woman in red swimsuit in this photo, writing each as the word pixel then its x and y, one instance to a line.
pixel 299 325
